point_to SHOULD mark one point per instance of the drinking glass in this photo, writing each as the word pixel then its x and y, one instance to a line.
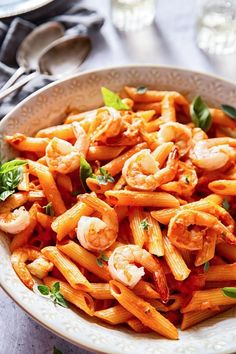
pixel 216 26
pixel 132 15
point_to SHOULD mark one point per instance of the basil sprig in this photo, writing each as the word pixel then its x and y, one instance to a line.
pixel 54 294
pixel 104 177
pixel 200 114
pixel 111 99
pixel 229 110
pixel 85 172
pixel 10 176
pixel 230 292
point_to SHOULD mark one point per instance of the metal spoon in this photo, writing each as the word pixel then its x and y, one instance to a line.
pixel 31 48
pixel 61 58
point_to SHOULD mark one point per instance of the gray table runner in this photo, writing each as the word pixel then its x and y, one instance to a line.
pixel 76 19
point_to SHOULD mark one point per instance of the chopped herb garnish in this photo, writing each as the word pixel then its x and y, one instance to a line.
pixel 85 172
pixel 206 267
pixel 229 110
pixel 10 176
pixel 186 180
pixel 56 351
pixel 49 209
pixel 200 114
pixel 141 90
pixel 225 204
pixel 104 177
pixel 102 258
pixel 111 99
pixel 54 294
pixel 230 292
pixel 145 224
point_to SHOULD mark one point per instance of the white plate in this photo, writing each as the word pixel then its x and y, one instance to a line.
pixel 46 107
pixel 9 8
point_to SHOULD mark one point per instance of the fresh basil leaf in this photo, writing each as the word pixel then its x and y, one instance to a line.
pixel 206 267
pixel 49 209
pixel 85 172
pixel 111 99
pixel 229 110
pixel 59 300
pixel 144 224
pixel 230 292
pixel 99 262
pixel 5 194
pixel 56 287
pixel 44 289
pixel 200 114
pixel 11 165
pixel 141 90
pixel 11 179
pixel 56 351
pixel 225 204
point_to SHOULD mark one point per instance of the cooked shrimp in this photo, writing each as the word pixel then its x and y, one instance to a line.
pixel 62 156
pixel 122 267
pixel 107 124
pixel 212 154
pixel 97 234
pixel 179 133
pixel 186 181
pixel 198 135
pixel 187 229
pixel 15 222
pixel 141 171
pixel 82 139
pixel 19 258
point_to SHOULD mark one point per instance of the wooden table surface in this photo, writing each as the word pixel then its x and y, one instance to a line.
pixel 169 42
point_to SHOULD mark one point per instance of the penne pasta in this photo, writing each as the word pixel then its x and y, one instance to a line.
pixel 192 318
pixel 70 271
pixel 227 251
pixel 141 309
pixel 78 298
pixel 64 131
pixel 208 299
pixel 68 221
pixel 136 217
pixel 114 315
pixel 49 186
pixel 23 143
pixel 175 260
pixel 154 199
pixel 154 240
pixel 222 272
pixel 13 202
pixel 223 187
pixel 103 153
pixel 137 326
pixel 85 259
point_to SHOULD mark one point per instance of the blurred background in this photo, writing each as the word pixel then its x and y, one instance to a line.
pixel 194 34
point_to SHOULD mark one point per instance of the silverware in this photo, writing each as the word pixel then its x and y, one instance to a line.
pixel 63 57
pixel 31 48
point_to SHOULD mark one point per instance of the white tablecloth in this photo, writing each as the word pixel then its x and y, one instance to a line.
pixel 169 42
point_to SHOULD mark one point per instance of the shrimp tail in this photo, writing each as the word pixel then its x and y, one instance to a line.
pixel 161 283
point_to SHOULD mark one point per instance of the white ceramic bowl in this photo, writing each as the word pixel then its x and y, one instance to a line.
pixel 47 107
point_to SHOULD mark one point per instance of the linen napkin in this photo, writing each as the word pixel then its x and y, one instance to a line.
pixel 77 19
